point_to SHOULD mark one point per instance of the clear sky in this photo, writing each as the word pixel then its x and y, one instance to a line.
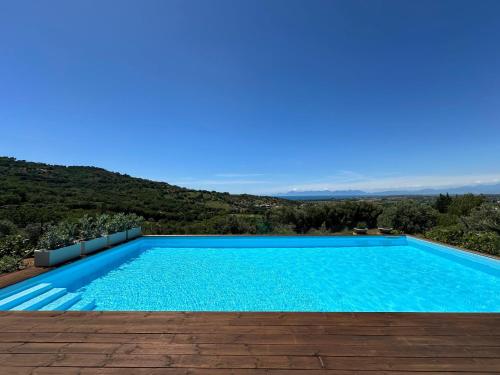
pixel 256 96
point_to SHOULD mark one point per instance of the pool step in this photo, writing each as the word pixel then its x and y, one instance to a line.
pixel 41 300
pixel 62 303
pixel 23 296
pixel 82 306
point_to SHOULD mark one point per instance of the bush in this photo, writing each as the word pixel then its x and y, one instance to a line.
pixel 349 214
pixel 88 228
pixel 332 216
pixel 234 224
pixel 57 236
pixel 283 229
pixel 385 219
pixel 485 242
pixel 101 223
pixel 445 220
pixel 121 222
pixel 408 217
pixel 33 233
pixel 10 263
pixel 15 245
pixel 133 221
pixel 452 235
pixel 7 228
pixel 485 218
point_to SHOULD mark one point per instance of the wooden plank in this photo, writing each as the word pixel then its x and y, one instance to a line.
pixel 253 362
pixel 355 340
pixel 381 350
pixel 180 371
pixel 263 317
pixel 94 327
pixel 18 276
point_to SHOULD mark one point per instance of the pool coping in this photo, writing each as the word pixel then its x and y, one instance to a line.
pixel 454 247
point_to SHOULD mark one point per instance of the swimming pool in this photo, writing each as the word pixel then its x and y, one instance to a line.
pixel 217 273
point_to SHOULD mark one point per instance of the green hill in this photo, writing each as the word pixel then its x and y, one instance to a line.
pixel 36 192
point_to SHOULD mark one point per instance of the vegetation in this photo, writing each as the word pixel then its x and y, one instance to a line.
pixel 16 244
pixel 50 206
pixel 479 230
pixel 88 227
pixel 41 193
pixel 408 217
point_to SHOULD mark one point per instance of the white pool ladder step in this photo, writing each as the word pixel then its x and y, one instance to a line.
pixel 23 296
pixel 62 303
pixel 83 306
pixel 41 300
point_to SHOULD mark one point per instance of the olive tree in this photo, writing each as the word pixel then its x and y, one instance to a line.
pixel 408 216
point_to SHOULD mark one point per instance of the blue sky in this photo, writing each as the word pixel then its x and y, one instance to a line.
pixel 256 96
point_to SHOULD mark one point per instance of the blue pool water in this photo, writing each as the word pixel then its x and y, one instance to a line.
pixel 283 274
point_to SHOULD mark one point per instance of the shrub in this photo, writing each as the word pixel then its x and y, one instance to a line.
pixel 283 229
pixel 485 242
pixel 234 224
pixel 102 224
pixel 10 263
pixel 445 220
pixel 318 232
pixel 121 222
pixel 15 245
pixel 57 236
pixel 349 214
pixel 33 233
pixel 408 216
pixel 7 228
pixel 88 228
pixel 485 218
pixel 116 223
pixel 133 221
pixel 452 235
pixel 385 219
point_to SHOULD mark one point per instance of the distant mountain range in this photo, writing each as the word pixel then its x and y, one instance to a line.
pixel 475 189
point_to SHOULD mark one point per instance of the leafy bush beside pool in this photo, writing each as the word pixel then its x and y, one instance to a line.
pixel 68 240
pixel 479 230
pixel 86 228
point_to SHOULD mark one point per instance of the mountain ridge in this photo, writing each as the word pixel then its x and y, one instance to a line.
pixel 474 189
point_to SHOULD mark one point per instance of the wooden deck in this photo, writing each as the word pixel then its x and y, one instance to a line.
pixel 247 343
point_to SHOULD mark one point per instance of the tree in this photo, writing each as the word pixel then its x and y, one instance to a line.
pixel 442 203
pixel 408 216
pixel 462 205
pixel 485 218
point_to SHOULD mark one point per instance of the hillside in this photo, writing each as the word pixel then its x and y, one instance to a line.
pixel 37 192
